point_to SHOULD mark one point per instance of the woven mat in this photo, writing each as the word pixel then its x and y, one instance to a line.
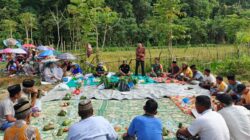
pixel 187 108
pixel 119 113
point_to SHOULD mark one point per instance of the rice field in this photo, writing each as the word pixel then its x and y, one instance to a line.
pixel 195 55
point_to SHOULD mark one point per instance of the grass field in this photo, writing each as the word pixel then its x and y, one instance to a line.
pixel 198 55
pixel 203 56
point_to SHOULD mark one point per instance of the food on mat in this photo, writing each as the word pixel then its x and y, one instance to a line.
pixel 165 132
pixel 66 122
pixel 48 127
pixel 117 128
pixel 65 129
pixel 62 113
pixel 60 132
pixel 180 125
pixel 65 104
pixel 77 91
pixel 67 96
pixel 83 97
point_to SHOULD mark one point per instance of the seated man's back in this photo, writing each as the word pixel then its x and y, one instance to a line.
pixel 238 121
pixel 146 128
pixel 92 128
pixel 210 126
pixel 21 131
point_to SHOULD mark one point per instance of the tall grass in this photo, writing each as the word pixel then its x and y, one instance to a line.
pixel 222 59
pixel 114 57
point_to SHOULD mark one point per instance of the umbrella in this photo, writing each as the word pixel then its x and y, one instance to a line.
pixel 46 53
pixel 43 48
pixel 66 56
pixel 29 46
pixel 10 42
pixel 51 48
pixel 7 50
pixel 19 51
pixel 50 59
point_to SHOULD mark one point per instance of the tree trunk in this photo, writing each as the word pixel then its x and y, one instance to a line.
pixel 97 37
pixel 97 45
pixel 170 43
pixel 58 35
pixel 27 34
pixel 11 35
pixel 31 35
pixel 104 37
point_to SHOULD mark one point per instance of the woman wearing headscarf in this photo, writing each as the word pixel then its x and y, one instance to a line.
pixel 58 71
pixel 76 69
pixel 11 67
pixel 50 73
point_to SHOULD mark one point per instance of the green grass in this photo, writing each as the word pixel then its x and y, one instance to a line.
pixel 219 58
pixel 190 54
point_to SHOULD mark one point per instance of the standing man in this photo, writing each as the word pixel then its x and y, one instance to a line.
pixel 140 58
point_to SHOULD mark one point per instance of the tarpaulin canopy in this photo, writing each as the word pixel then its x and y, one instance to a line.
pixel 10 42
pixel 29 46
pixel 16 51
pixel 46 53
pixel 19 51
pixel 66 56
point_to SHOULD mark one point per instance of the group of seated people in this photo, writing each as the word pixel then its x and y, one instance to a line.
pixel 206 80
pixel 54 72
pixel 23 63
pixel 220 124
pixel 17 109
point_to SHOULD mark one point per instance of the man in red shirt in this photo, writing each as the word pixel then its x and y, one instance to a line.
pixel 140 58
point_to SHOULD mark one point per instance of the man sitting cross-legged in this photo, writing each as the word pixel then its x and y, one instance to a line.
pixel 157 69
pixel 209 80
pixel 124 69
pixel 101 70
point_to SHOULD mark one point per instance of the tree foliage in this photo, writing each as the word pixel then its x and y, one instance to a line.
pixel 69 24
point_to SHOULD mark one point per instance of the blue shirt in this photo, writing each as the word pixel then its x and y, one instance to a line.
pixel 233 88
pixel 146 128
pixel 77 70
pixel 198 76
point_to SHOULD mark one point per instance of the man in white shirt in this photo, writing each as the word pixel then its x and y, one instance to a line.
pixel 91 127
pixel 209 126
pixel 236 117
pixel 7 111
pixel 209 80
